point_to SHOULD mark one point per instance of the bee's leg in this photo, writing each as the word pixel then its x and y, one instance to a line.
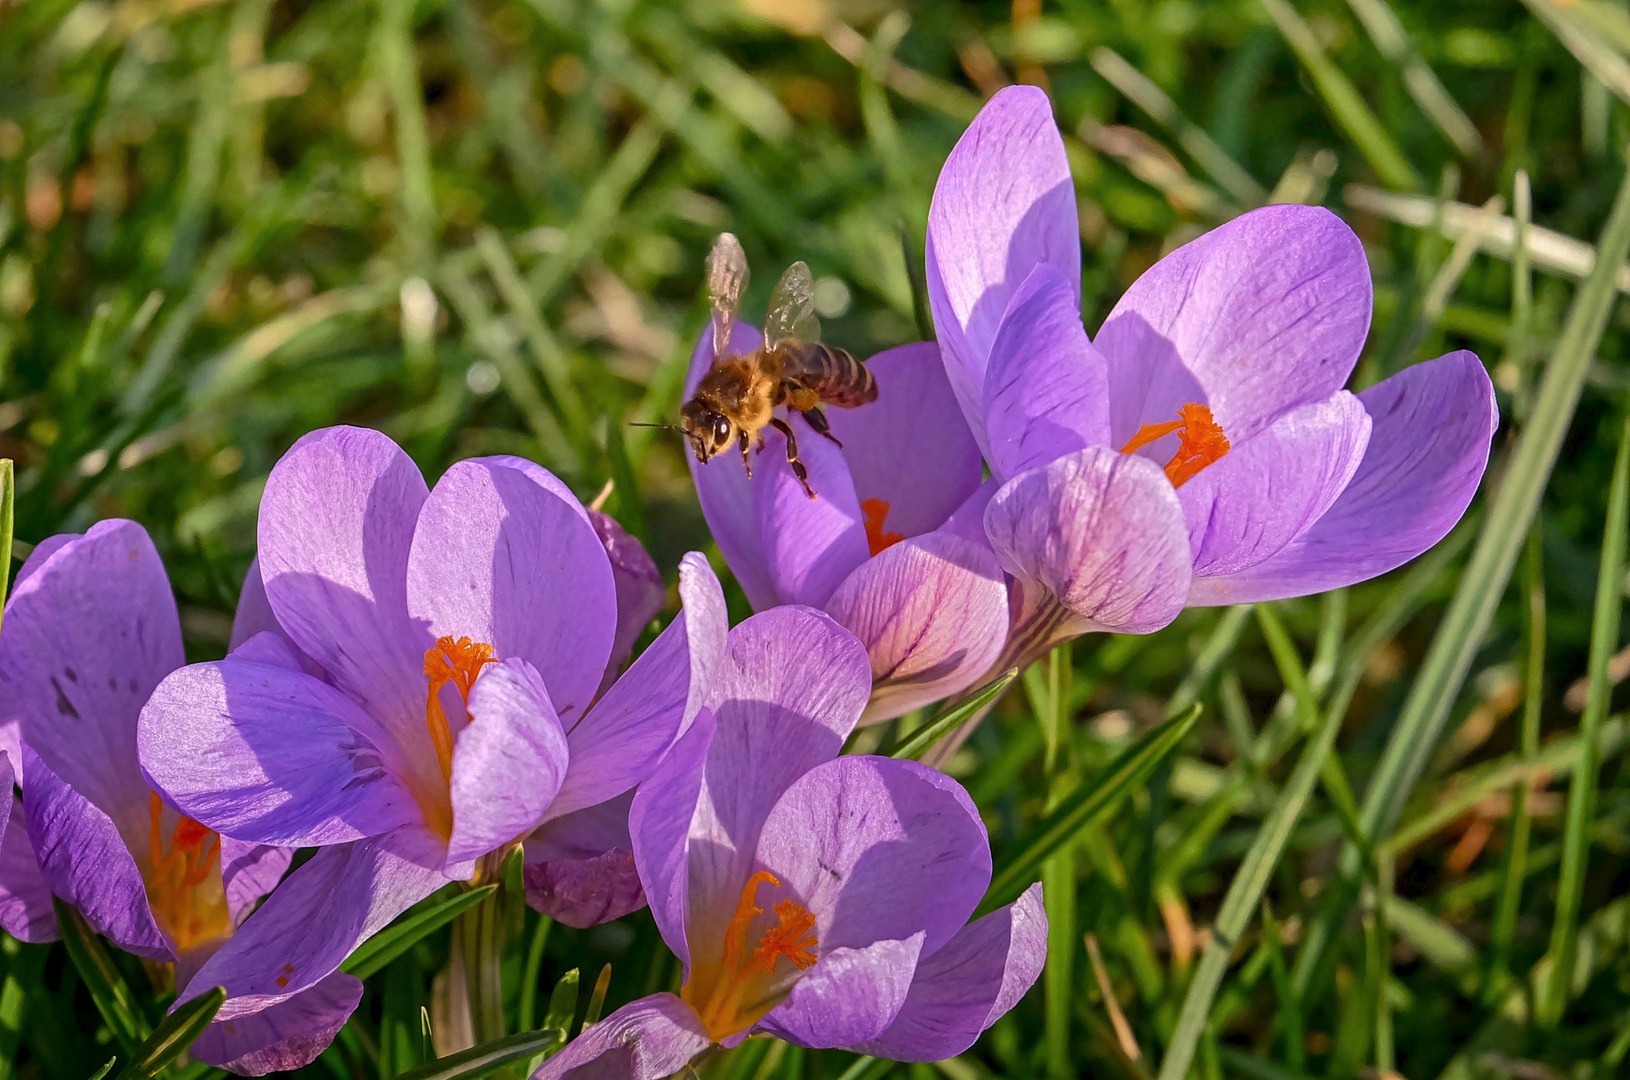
pixel 746 462
pixel 817 420
pixel 798 469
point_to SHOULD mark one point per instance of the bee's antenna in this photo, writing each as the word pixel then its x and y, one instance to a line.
pixel 637 423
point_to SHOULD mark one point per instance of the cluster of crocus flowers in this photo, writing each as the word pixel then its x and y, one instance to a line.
pixel 820 898
pixel 90 630
pixel 1202 450
pixel 428 699
pixel 892 546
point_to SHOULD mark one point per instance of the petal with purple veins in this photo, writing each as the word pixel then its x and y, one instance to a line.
pixel 331 904
pixel 809 545
pixel 915 420
pixel 791 689
pixel 1433 424
pixel 648 1039
pixel 86 638
pixel 628 730
pixel 88 863
pixel 249 872
pixel 851 995
pixel 1266 313
pixel 1101 531
pixel 659 823
pixel 580 868
pixel 878 849
pixel 968 984
pixel 1269 489
pixel 336 522
pixel 1046 389
pixel 640 592
pixel 1003 205
pixel 288 1035
pixel 502 559
pixel 26 912
pixel 271 756
pixel 508 762
pixel 932 613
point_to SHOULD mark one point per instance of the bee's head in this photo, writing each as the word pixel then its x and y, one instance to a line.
pixel 709 432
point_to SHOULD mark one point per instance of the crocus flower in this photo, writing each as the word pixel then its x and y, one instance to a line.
pixel 819 898
pixel 90 630
pixel 882 547
pixel 1202 450
pixel 460 635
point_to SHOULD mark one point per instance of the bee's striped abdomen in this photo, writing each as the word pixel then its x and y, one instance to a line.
pixel 832 373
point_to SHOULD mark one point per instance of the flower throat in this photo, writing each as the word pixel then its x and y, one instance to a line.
pixel 721 1005
pixel 187 902
pixel 1203 442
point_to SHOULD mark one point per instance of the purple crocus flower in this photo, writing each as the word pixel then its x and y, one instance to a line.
pixel 819 898
pixel 1202 450
pixel 883 547
pixel 458 636
pixel 89 631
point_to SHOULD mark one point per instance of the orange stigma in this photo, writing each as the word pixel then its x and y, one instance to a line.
pixel 876 539
pixel 1203 442
pixel 721 1004
pixel 457 662
pixel 184 885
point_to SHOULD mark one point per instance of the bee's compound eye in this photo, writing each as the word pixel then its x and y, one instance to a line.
pixel 721 429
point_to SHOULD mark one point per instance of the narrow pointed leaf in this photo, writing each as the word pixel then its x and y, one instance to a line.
pixel 488 1058
pixel 103 1071
pixel 920 742
pixel 107 987
pixel 1086 804
pixel 171 1038
pixel 387 945
pixel 562 1003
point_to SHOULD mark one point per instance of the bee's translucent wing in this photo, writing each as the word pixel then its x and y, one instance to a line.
pixel 726 281
pixel 792 308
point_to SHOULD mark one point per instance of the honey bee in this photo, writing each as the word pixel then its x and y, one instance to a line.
pixel 737 398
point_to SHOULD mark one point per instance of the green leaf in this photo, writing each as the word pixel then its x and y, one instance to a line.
pixel 1604 642
pixel 171 1038
pixel 8 501
pixel 488 1058
pixel 107 987
pixel 103 1071
pixel 1471 611
pixel 562 1002
pixel 1245 891
pixel 923 740
pixel 597 999
pixel 1086 804
pixel 372 955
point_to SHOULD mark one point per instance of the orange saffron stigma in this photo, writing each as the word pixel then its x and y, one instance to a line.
pixel 178 888
pixel 457 662
pixel 793 938
pixel 1203 442
pixel 876 539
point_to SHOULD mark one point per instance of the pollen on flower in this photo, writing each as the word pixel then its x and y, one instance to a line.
pixel 180 891
pixel 1202 442
pixel 451 661
pixel 792 939
pixel 876 510
pixel 734 998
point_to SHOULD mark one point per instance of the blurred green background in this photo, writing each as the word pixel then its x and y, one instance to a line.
pixel 478 225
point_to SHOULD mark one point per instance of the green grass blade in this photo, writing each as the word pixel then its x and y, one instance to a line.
pixel 108 990
pixel 105 1069
pixel 562 1002
pixel 1245 891
pixel 925 738
pixel 597 999
pixel 1347 107
pixel 532 970
pixel 1087 804
pixel 1471 611
pixel 1392 41
pixel 172 1037
pixel 372 955
pixel 8 504
pixel 1604 641
pixel 488 1058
